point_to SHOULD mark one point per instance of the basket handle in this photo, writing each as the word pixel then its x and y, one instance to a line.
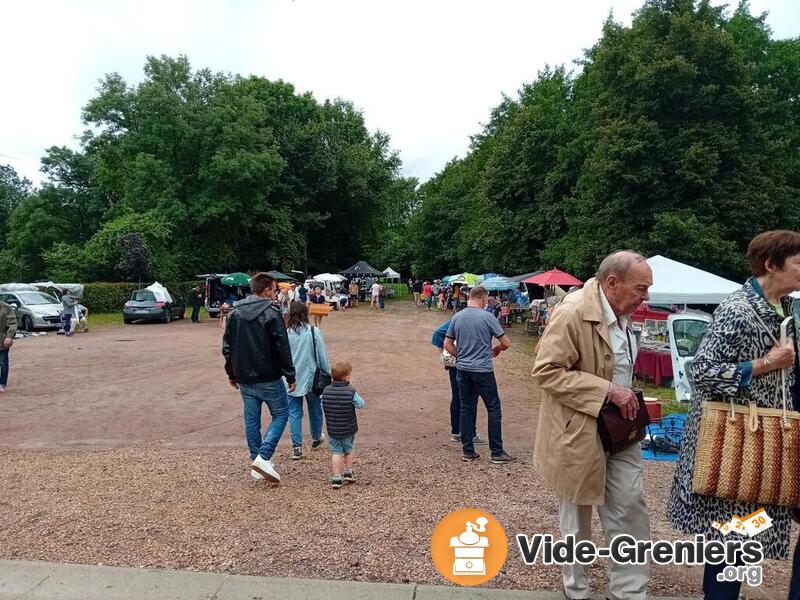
pixel 785 418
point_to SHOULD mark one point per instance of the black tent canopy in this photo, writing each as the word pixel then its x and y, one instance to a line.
pixel 362 269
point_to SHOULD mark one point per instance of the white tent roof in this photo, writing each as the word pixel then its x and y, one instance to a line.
pixel 676 283
pixel 329 277
pixel 391 273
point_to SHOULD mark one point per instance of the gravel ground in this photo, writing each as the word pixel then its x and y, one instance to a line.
pixel 120 470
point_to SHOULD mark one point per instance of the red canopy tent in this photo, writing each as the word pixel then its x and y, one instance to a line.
pixel 553 277
pixel 646 313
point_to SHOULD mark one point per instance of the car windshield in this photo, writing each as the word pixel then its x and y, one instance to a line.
pixel 143 296
pixel 37 298
pixel 688 334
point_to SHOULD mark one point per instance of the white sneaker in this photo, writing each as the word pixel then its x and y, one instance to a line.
pixel 266 469
pixel 256 475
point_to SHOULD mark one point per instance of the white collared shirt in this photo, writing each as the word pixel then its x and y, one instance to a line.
pixel 623 343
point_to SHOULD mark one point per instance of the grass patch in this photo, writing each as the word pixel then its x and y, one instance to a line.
pixel 667 396
pixel 100 320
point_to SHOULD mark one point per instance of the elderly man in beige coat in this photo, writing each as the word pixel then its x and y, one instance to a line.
pixel 584 360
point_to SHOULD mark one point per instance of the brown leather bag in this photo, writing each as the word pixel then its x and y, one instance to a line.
pixel 618 433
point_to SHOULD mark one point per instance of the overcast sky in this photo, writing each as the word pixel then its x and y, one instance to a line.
pixel 427 72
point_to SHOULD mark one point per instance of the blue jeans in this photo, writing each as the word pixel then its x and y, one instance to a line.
pixel 273 393
pixel 470 386
pixel 719 590
pixel 4 366
pixel 381 302
pixel 67 322
pixel 296 417
pixel 455 404
pixel 195 314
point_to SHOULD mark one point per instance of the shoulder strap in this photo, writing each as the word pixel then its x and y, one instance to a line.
pixel 314 341
pixel 782 382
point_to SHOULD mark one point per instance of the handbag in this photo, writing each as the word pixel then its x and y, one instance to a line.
pixel 322 378
pixel 748 453
pixel 448 360
pixel 618 433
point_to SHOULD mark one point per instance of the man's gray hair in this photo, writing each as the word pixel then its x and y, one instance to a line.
pixel 618 263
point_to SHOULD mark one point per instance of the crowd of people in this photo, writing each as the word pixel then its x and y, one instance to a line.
pixel 455 297
pixel 583 365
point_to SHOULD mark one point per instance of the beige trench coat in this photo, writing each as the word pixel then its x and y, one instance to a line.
pixel 574 364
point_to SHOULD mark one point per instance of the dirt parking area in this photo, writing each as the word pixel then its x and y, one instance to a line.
pixel 125 446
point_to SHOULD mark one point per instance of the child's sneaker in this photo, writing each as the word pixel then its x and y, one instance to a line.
pixel 336 482
pixel 297 452
pixel 317 443
pixel 349 477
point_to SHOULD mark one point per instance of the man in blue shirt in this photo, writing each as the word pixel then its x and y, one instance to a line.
pixel 469 338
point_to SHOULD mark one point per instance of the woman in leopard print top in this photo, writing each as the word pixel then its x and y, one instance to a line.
pixel 738 359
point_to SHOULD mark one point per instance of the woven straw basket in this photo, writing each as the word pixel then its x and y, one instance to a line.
pixel 748 454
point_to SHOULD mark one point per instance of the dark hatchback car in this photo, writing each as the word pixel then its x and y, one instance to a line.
pixel 143 306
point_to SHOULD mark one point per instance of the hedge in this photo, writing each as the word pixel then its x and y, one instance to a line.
pixel 110 297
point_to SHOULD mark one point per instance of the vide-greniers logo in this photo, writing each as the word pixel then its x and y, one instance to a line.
pixel 469 546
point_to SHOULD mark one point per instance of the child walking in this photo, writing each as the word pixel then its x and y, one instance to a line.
pixel 339 403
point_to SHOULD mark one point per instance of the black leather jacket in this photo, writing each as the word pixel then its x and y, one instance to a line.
pixel 255 344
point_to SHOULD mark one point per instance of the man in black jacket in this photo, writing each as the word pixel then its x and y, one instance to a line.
pixel 257 357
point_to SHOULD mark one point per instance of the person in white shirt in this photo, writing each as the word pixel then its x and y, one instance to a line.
pixel 376 295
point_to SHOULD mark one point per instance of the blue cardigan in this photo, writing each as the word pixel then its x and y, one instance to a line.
pixel 303 357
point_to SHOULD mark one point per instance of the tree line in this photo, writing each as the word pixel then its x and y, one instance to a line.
pixel 676 135
pixel 194 171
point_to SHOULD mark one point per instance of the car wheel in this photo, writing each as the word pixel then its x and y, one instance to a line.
pixel 127 321
pixel 27 323
pixel 167 316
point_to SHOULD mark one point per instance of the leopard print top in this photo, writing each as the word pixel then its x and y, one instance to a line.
pixel 734 336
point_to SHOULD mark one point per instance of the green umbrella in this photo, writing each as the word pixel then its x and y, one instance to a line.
pixel 236 279
pixel 278 276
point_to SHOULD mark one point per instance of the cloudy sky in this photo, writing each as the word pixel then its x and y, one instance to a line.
pixel 427 72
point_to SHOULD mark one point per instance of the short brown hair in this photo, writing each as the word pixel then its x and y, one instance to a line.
pixel 260 282
pixel 341 370
pixel 478 292
pixel 774 247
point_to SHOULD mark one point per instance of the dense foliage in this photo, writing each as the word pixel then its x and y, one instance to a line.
pixel 680 135
pixel 212 172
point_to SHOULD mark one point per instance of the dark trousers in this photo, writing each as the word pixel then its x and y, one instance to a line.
pixel 381 302
pixel 67 322
pixel 455 404
pixel 471 385
pixel 794 586
pixel 719 590
pixel 195 314
pixel 4 367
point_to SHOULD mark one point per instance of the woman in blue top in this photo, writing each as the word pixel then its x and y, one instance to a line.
pixel 302 338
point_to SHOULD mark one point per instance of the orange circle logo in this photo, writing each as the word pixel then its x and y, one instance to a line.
pixel 469 546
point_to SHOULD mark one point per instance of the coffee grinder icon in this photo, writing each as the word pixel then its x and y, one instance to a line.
pixel 469 549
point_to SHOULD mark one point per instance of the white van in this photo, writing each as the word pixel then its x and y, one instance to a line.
pixel 686 329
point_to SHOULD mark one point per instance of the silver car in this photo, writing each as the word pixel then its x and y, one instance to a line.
pixel 35 310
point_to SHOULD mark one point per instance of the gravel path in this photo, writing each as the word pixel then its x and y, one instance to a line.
pixel 136 466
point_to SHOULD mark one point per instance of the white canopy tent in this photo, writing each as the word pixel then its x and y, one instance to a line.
pixel 391 273
pixel 677 283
